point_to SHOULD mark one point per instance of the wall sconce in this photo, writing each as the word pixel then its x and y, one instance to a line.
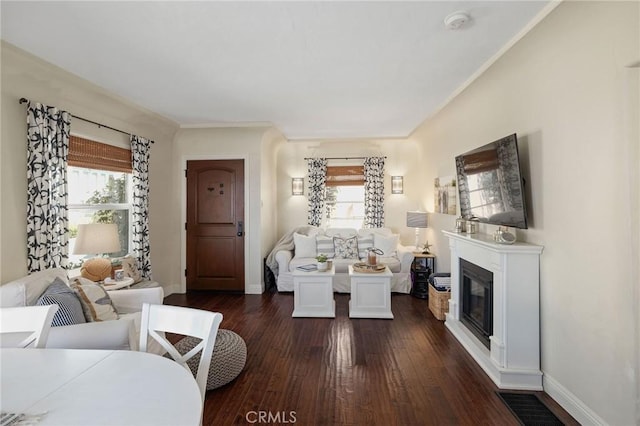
pixel 297 186
pixel 396 185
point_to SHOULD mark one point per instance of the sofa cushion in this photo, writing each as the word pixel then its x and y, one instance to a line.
pixel 69 307
pixel 96 303
pixel 365 242
pixel 324 245
pixel 388 244
pixel 305 245
pixel 340 232
pixel 346 248
pixel 379 231
pixel 26 290
pixel 12 295
pixel 392 262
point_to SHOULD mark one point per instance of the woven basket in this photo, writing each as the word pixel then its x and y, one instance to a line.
pixel 438 302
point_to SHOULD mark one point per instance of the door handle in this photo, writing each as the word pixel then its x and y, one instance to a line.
pixel 240 232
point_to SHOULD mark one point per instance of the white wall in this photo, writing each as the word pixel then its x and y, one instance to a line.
pixel 402 159
pixel 564 89
pixel 23 75
pixel 225 144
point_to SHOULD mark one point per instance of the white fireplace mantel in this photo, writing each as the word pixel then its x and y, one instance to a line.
pixel 513 362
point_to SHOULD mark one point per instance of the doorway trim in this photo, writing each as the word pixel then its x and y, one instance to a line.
pixel 183 211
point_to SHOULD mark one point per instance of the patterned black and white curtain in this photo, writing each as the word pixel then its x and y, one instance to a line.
pixel 374 192
pixel 317 177
pixel 140 149
pixel 47 219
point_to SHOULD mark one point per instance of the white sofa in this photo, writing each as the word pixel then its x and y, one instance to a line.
pixel 115 334
pixel 288 257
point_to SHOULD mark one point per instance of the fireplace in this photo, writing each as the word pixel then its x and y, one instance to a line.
pixel 498 321
pixel 477 300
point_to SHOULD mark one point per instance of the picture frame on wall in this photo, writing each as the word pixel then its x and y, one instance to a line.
pixel 445 195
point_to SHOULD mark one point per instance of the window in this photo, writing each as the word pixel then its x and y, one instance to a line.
pixel 99 186
pixel 345 196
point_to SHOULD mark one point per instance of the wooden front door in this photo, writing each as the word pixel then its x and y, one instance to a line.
pixel 215 225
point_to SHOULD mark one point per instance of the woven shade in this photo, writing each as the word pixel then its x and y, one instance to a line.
pixel 417 219
pixel 345 175
pixel 95 155
pixel 482 161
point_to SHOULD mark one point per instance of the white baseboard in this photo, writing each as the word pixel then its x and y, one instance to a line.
pixel 249 289
pixel 572 404
pixel 253 289
pixel 172 288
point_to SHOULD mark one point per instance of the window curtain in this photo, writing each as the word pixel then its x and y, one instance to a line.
pixel 317 176
pixel 374 192
pixel 47 219
pixel 140 150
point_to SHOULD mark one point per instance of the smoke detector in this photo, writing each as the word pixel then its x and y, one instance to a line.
pixel 456 20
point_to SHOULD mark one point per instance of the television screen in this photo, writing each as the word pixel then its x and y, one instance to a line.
pixel 490 184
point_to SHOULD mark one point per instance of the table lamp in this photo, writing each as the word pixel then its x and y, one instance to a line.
pixel 417 220
pixel 97 239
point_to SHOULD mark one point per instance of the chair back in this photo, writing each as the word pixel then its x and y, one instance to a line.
pixel 23 326
pixel 157 319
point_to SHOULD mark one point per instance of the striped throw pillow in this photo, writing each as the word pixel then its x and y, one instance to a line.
pixel 324 245
pixel 365 242
pixel 69 307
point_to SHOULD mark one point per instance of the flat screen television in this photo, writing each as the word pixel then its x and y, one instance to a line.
pixel 490 185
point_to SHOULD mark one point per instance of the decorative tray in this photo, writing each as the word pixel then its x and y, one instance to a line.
pixel 365 268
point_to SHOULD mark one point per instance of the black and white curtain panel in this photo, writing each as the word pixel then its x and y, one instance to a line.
pixel 47 217
pixel 317 177
pixel 140 150
pixel 374 192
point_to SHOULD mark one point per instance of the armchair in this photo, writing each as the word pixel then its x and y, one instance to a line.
pixel 116 334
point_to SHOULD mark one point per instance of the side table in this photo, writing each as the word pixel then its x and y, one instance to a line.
pixel 110 284
pixel 313 294
pixel 423 265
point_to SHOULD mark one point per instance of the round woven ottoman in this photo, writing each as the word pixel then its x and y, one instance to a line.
pixel 227 361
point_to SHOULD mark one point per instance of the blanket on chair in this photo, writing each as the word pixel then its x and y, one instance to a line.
pixel 286 243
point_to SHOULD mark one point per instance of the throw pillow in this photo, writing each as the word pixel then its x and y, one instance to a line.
pixel 346 248
pixel 365 242
pixel 130 269
pixel 69 307
pixel 324 245
pixel 388 245
pixel 305 245
pixel 96 303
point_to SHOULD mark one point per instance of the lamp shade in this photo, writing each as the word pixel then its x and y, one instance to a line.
pixel 97 238
pixel 417 219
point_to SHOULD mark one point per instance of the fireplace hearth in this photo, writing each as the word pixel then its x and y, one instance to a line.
pixel 477 300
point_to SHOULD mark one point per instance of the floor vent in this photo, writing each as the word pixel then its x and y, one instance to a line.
pixel 529 409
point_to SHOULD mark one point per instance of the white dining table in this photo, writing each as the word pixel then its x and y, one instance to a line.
pixel 97 387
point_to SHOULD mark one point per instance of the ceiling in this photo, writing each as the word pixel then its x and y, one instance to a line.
pixel 315 70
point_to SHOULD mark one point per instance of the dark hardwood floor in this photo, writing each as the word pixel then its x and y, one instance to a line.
pixel 320 371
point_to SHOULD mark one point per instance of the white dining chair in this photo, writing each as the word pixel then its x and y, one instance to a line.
pixel 23 326
pixel 157 319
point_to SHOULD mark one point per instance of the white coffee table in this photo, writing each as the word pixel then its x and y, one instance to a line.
pixel 313 294
pixel 370 294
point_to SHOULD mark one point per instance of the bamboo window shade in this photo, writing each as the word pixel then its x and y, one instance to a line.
pixel 482 161
pixel 95 155
pixel 345 175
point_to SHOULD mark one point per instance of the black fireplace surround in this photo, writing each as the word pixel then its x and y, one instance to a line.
pixel 477 300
